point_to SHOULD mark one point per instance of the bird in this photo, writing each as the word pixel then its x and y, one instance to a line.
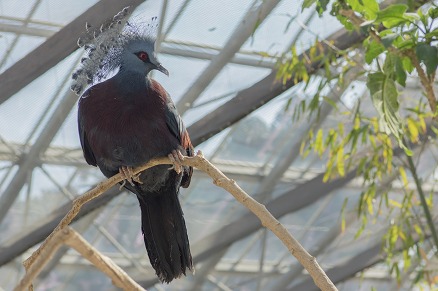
pixel 127 119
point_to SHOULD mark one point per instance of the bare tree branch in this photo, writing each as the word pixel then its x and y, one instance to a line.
pixel 219 179
pixel 71 238
pixel 103 263
pixel 45 254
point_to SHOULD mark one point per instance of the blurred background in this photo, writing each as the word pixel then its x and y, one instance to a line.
pixel 222 57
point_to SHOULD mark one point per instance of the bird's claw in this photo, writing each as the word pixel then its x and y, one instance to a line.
pixel 129 176
pixel 176 158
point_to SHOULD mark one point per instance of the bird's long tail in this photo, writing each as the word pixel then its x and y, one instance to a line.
pixel 165 234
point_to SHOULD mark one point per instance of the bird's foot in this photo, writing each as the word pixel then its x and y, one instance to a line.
pixel 176 158
pixel 129 176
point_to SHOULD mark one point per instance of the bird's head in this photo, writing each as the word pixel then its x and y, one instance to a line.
pixel 139 55
pixel 117 44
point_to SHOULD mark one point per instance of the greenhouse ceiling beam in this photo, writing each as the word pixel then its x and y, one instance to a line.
pixel 178 15
pixel 80 227
pixel 364 259
pixel 288 202
pixel 191 52
pixel 168 48
pixel 246 28
pixel 37 232
pixel 204 269
pixel 336 230
pixel 241 105
pixel 29 160
pixel 338 272
pixel 26 30
pixel 246 269
pixel 291 151
pixel 248 223
pixel 296 268
pixel 57 47
pixel 251 98
pixel 31 22
pixel 208 246
pixel 257 93
pixel 13 43
pixel 160 35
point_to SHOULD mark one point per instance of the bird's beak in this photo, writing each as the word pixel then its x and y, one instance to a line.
pixel 162 69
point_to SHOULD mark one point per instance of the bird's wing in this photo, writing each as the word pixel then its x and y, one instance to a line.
pixel 88 153
pixel 177 128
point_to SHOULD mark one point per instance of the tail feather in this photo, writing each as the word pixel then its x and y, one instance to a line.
pixel 165 234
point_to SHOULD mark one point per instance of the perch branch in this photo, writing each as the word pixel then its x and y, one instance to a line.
pixel 266 218
pixel 219 179
pixel 44 256
pixel 103 263
pixel 71 238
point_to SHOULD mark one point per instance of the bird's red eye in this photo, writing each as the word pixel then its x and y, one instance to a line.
pixel 143 56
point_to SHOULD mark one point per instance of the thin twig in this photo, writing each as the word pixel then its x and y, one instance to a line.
pixel 219 179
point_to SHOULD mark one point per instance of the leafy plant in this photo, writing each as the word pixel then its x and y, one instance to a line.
pixel 401 42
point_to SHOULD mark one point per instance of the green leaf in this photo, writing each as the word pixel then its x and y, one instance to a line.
pixel 403 176
pixel 374 49
pixel 361 227
pixel 418 229
pixel 368 8
pixel 407 65
pixel 432 34
pixel 403 44
pixel 413 130
pixel 344 205
pixel 400 73
pixel 340 165
pixel 371 193
pixel 434 129
pixel 388 39
pixel 318 145
pixel 328 171
pixel 393 67
pixel 330 102
pixel 288 103
pixel 428 55
pixel 395 203
pixel 392 15
pixel 341 129
pixel 345 22
pixel 385 99
pixel 411 17
pixel 433 12
pixel 307 4
pixel 406 260
pixel 321 5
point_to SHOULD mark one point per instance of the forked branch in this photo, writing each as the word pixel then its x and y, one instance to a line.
pixel 219 179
